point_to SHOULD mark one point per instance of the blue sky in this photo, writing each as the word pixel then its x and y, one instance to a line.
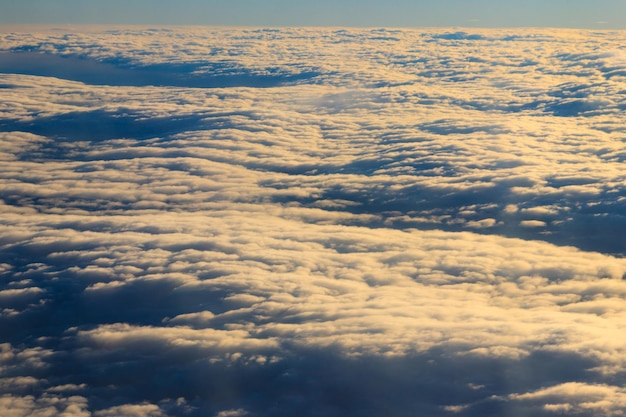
pixel 390 13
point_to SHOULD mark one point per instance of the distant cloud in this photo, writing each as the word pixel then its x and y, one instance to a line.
pixel 397 220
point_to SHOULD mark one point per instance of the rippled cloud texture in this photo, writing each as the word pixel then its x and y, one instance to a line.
pixel 238 222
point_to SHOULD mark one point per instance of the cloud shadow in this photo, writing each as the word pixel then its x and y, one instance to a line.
pixel 119 73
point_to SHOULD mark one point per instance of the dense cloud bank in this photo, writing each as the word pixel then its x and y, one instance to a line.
pixel 230 222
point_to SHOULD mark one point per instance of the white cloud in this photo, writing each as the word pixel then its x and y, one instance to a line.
pixel 578 398
pixel 312 222
pixel 232 413
pixel 131 410
pixel 12 406
pixel 532 223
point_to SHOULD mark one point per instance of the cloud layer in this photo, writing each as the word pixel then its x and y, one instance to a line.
pixel 232 222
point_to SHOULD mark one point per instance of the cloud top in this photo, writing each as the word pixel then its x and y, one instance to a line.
pixel 312 222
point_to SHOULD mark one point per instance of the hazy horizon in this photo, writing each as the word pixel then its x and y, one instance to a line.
pixel 607 14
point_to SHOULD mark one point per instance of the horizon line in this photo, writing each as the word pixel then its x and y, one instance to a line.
pixel 246 26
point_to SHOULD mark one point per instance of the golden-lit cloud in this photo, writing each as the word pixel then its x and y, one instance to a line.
pixel 230 222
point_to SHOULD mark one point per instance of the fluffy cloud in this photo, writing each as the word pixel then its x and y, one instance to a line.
pixel 232 222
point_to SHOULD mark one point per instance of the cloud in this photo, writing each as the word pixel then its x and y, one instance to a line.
pixel 46 405
pixel 106 73
pixel 311 222
pixel 140 410
pixel 532 223
pixel 578 398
